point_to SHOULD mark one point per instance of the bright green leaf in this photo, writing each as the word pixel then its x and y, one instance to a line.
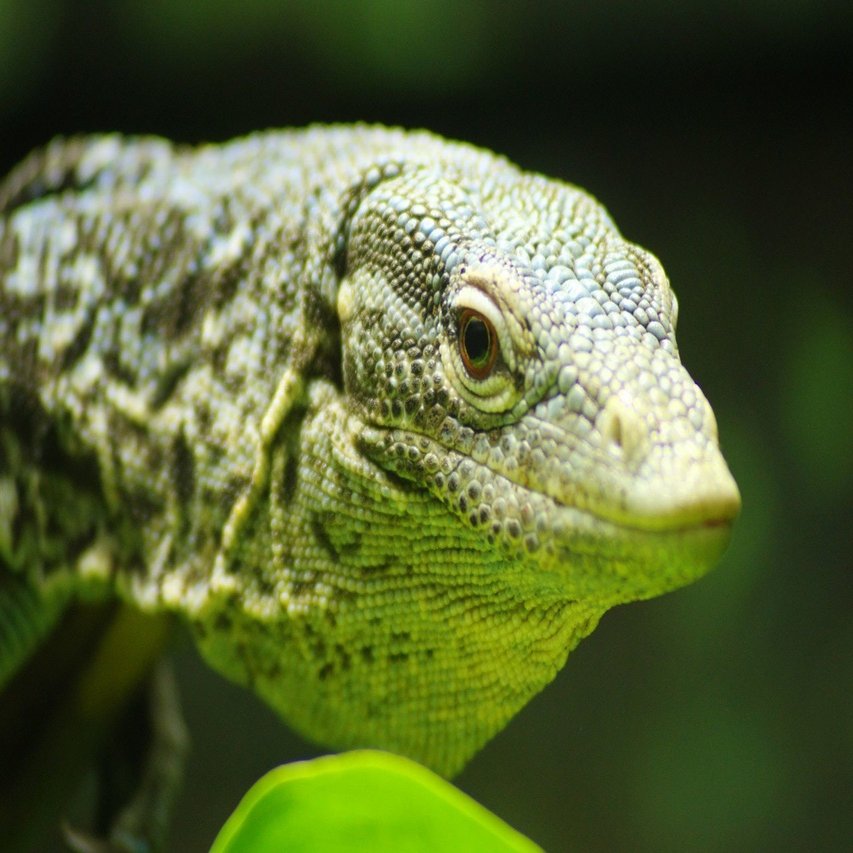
pixel 362 800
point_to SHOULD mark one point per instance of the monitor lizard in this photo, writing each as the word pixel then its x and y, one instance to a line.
pixel 387 421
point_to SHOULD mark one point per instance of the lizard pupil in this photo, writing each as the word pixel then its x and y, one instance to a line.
pixel 478 344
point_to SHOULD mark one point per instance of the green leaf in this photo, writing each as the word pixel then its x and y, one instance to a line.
pixel 363 800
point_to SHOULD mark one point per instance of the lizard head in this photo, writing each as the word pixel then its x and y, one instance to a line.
pixel 517 357
pixel 515 449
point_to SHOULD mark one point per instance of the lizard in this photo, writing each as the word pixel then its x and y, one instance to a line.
pixel 387 421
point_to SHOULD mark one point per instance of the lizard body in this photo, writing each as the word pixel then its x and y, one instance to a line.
pixel 388 421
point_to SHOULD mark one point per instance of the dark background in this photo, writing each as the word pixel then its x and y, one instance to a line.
pixel 719 136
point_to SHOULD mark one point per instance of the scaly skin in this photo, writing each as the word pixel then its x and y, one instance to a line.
pixel 388 421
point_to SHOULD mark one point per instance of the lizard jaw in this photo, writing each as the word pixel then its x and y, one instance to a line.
pixel 603 551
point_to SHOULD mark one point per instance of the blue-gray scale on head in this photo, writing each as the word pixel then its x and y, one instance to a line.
pixel 510 350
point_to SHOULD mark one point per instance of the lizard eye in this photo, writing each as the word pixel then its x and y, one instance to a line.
pixel 478 344
pixel 480 352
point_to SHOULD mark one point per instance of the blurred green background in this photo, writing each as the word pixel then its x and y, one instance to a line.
pixel 720 136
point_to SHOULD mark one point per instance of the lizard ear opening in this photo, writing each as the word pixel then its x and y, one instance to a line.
pixel 327 361
pixel 339 256
pixel 350 202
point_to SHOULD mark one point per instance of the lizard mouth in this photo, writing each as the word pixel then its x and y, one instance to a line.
pixel 600 551
pixel 655 543
pixel 681 493
pixel 715 514
pixel 616 561
pixel 592 525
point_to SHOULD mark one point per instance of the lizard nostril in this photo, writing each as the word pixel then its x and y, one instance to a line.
pixel 622 429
